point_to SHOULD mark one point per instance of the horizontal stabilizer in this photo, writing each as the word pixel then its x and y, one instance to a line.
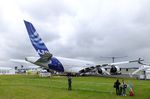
pixel 45 58
pixel 18 61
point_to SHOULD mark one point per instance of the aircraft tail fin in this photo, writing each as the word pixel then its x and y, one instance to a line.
pixel 36 41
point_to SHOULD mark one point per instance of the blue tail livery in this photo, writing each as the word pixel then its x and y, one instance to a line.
pixel 36 41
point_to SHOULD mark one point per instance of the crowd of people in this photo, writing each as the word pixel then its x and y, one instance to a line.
pixel 121 88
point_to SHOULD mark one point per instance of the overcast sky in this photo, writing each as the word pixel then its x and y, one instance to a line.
pixel 82 29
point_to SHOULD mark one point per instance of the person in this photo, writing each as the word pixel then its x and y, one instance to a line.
pixel 120 90
pixel 124 86
pixel 69 82
pixel 130 86
pixel 116 85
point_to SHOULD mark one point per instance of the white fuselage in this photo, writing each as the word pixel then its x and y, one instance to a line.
pixel 68 64
pixel 74 65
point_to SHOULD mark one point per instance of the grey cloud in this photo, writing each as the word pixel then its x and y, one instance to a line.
pixel 98 31
pixel 44 10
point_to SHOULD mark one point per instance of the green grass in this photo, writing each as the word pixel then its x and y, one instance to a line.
pixel 34 87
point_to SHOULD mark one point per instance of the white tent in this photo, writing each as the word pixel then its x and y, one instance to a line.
pixel 6 71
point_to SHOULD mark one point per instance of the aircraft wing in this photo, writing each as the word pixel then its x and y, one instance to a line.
pixel 90 68
pixel 19 61
pixel 119 63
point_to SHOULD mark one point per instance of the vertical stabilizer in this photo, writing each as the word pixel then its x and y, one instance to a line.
pixel 36 41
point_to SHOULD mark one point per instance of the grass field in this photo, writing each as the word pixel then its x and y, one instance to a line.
pixel 34 87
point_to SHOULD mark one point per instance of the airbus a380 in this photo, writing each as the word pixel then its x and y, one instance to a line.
pixel 60 64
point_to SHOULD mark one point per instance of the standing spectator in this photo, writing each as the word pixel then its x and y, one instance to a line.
pixel 124 86
pixel 69 82
pixel 116 85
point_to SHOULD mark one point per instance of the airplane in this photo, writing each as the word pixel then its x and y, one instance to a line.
pixel 61 64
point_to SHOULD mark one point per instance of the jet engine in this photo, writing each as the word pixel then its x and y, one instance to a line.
pixel 102 71
pixel 114 70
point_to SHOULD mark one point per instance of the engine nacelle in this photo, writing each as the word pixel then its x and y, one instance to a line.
pixel 101 70
pixel 114 70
